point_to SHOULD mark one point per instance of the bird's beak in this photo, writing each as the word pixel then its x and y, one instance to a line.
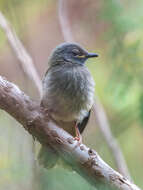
pixel 89 55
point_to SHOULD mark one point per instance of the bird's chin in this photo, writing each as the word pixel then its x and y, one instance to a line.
pixel 80 62
pixel 76 62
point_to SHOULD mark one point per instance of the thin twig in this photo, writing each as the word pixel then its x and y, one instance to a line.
pixel 81 158
pixel 98 108
pixel 103 123
pixel 21 54
pixel 64 22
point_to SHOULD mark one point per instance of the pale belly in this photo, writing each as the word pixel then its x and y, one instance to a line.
pixel 69 96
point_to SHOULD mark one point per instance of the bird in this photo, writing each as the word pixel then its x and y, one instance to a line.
pixel 68 92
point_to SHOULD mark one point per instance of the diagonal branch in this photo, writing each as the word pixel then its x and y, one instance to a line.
pixel 83 160
pixel 99 111
pixel 21 54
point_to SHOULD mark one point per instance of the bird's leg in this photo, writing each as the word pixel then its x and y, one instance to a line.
pixel 78 136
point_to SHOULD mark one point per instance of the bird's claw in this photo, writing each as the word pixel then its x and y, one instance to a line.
pixel 78 139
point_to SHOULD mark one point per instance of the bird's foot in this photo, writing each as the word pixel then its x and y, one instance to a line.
pixel 78 139
pixel 78 136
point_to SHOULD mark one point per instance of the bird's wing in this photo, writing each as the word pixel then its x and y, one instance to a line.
pixel 82 125
pixel 43 79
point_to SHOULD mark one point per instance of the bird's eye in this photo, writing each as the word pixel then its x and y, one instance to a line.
pixel 76 52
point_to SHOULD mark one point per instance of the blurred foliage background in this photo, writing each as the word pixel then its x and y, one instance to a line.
pixel 114 29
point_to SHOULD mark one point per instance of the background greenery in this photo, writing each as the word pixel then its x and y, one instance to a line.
pixel 114 29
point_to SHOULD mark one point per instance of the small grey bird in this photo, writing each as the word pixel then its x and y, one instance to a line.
pixel 68 88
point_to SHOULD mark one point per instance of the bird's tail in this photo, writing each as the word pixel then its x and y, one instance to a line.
pixel 48 157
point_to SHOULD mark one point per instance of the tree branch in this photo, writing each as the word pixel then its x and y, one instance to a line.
pixel 99 111
pixel 84 160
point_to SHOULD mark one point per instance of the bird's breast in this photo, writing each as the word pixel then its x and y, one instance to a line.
pixel 68 92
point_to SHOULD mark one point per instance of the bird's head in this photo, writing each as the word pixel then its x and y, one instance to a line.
pixel 70 52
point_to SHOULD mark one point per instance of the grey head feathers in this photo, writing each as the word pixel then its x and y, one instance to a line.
pixel 69 52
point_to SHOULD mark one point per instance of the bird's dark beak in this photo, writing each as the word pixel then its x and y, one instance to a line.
pixel 89 55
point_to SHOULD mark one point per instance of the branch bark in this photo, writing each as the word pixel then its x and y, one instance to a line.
pixel 99 111
pixel 83 160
